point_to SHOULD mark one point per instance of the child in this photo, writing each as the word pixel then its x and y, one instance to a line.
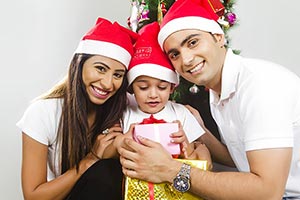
pixel 152 79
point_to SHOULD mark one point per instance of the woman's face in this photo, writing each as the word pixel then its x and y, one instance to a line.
pixel 102 77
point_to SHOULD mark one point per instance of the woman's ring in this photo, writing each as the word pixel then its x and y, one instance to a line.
pixel 106 131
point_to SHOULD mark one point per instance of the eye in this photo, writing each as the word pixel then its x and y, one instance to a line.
pixel 118 75
pixel 193 42
pixel 101 68
pixel 173 55
pixel 143 88
pixel 163 86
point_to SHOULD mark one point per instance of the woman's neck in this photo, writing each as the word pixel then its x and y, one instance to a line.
pixel 91 114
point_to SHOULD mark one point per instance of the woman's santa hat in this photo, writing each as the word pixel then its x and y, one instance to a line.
pixel 109 39
pixel 149 59
pixel 189 14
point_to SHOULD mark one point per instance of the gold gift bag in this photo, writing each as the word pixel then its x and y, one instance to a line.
pixel 136 189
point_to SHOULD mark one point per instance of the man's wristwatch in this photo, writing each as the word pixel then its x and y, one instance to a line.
pixel 182 180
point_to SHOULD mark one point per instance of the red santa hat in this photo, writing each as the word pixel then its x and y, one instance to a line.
pixel 109 39
pixel 189 14
pixel 149 59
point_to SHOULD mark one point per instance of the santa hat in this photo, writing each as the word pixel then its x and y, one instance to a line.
pixel 149 59
pixel 109 39
pixel 189 14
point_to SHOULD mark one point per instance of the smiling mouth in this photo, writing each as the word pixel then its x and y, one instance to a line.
pixel 100 92
pixel 197 68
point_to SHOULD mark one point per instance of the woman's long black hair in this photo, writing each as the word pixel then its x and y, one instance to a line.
pixel 75 137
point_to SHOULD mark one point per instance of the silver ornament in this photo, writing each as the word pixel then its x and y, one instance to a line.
pixel 194 89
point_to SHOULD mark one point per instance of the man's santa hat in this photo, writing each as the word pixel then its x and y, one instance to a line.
pixel 149 59
pixel 189 14
pixel 109 39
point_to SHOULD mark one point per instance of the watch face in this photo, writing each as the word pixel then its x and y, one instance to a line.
pixel 181 183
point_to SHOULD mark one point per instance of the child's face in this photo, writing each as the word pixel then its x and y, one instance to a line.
pixel 151 94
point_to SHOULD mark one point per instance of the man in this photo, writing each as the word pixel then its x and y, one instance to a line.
pixel 255 103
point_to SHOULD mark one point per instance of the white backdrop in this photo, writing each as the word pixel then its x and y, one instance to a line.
pixel 37 40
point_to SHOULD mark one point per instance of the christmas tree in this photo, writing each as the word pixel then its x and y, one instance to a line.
pixel 147 11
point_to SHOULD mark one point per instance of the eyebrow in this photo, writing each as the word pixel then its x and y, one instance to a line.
pixel 146 81
pixel 102 64
pixel 141 81
pixel 183 42
pixel 188 38
pixel 118 70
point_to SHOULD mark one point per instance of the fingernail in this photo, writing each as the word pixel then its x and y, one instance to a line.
pixel 140 137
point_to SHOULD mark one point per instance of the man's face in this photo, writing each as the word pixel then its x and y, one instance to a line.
pixel 197 55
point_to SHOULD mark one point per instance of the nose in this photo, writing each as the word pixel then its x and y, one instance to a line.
pixel 187 58
pixel 152 93
pixel 107 82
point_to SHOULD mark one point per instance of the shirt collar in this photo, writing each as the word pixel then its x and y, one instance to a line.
pixel 230 74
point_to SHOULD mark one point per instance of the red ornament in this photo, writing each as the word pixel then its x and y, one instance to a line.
pixel 163 8
pixel 217 7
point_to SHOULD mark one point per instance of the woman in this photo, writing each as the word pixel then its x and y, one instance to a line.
pixel 61 131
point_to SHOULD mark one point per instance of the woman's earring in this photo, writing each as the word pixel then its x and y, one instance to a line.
pixel 194 89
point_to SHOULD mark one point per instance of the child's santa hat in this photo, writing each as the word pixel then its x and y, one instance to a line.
pixel 149 59
pixel 189 14
pixel 109 39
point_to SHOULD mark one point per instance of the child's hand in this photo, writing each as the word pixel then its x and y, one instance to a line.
pixel 180 138
pixel 201 152
pixel 120 139
pixel 187 149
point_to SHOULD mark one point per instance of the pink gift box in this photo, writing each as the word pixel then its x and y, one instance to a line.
pixel 159 133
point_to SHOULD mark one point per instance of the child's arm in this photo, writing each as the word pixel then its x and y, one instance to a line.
pixel 180 138
pixel 195 150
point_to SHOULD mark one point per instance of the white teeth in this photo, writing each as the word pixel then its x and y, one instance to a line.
pixel 198 67
pixel 100 91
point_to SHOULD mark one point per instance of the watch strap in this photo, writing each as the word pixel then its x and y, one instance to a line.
pixel 185 170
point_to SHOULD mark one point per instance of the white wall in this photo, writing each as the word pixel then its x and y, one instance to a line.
pixel 269 30
pixel 37 39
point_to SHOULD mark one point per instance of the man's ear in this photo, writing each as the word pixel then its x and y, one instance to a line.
pixel 220 38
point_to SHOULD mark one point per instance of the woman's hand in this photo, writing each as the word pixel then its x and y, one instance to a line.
pixel 102 143
pixel 103 147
